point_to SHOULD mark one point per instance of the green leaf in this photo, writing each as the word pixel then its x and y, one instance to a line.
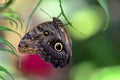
pixel 6 71
pixel 8 18
pixel 14 16
pixel 11 17
pixel 62 12
pixel 3 28
pixel 104 5
pixel 2 77
pixel 13 50
pixel 11 23
pixel 5 42
pixel 31 15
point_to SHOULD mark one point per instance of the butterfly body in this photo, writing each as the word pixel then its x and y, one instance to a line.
pixel 50 40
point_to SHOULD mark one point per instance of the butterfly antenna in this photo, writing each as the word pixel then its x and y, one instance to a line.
pixel 45 12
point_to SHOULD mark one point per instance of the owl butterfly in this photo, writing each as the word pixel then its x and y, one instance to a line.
pixel 50 40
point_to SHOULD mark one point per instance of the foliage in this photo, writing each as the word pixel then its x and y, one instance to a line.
pixel 6 71
pixel 12 17
pixel 3 28
pixel 31 15
pixel 104 5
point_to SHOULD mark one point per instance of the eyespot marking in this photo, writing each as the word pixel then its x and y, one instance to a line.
pixel 46 33
pixel 58 47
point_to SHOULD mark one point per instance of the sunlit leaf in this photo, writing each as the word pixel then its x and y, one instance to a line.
pixel 104 5
pixel 8 18
pixel 14 16
pixel 6 71
pixel 62 12
pixel 3 28
pixel 31 15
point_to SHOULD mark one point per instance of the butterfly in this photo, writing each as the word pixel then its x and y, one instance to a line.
pixel 49 39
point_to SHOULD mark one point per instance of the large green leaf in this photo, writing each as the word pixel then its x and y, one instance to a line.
pixel 31 15
pixel 7 72
pixel 3 28
pixel 62 12
pixel 104 5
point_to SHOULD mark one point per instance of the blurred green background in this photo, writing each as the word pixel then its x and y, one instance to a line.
pixel 95 54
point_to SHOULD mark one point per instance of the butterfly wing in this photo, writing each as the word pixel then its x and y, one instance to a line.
pixel 51 41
